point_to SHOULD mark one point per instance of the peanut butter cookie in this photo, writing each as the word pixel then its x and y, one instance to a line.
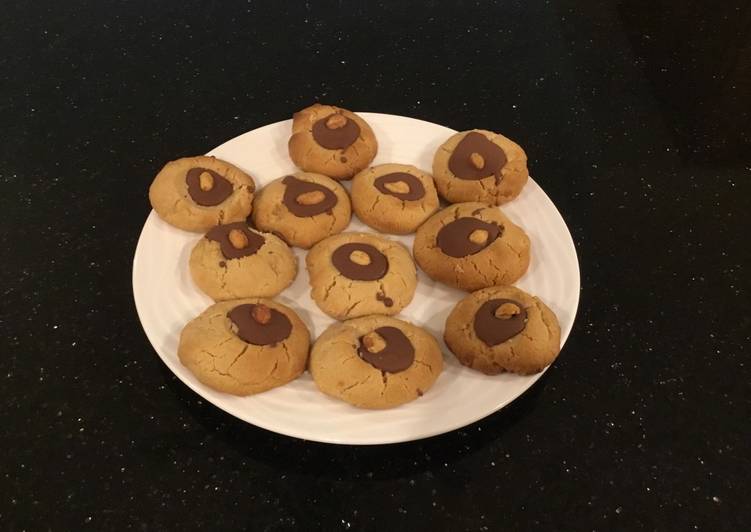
pixel 234 261
pixel 394 198
pixel 303 208
pixel 471 246
pixel 356 274
pixel 197 193
pixel 503 328
pixel 480 165
pixel 375 362
pixel 331 141
pixel 245 346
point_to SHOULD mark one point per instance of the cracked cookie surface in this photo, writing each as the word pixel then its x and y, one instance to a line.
pixel 233 261
pixel 472 246
pixel 197 193
pixel 379 276
pixel 503 328
pixel 212 350
pixel 303 208
pixel 480 165
pixel 394 198
pixel 331 141
pixel 339 367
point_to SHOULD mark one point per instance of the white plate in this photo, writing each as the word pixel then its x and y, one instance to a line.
pixel 166 299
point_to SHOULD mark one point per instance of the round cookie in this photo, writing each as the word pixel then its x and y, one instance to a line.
pixel 502 328
pixel 480 165
pixel 331 141
pixel 356 274
pixel 302 208
pixel 471 246
pixel 245 346
pixel 197 193
pixel 234 261
pixel 375 362
pixel 394 198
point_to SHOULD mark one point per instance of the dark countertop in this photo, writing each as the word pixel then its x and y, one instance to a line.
pixel 635 116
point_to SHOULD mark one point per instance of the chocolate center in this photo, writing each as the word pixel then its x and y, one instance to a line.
pixel 335 138
pixel 207 190
pixel 221 234
pixel 397 355
pixel 494 330
pixel 249 329
pixel 475 157
pixel 416 189
pixel 295 188
pixel 455 238
pixel 373 270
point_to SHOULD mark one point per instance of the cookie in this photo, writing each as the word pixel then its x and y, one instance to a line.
pixel 303 208
pixel 375 362
pixel 394 198
pixel 331 141
pixel 357 274
pixel 234 261
pixel 480 165
pixel 471 246
pixel 245 346
pixel 197 193
pixel 503 328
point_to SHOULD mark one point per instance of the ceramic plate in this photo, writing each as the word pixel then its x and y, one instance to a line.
pixel 166 299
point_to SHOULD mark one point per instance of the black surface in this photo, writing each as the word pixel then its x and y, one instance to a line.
pixel 635 116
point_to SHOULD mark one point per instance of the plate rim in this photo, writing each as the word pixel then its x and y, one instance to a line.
pixel 196 387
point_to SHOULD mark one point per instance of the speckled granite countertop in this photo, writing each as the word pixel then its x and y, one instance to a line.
pixel 635 116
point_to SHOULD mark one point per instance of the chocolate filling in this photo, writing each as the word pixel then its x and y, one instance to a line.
pixel 454 238
pixel 387 301
pixel 335 139
pixel 397 355
pixel 277 329
pixel 220 189
pixel 494 330
pixel 376 269
pixel 460 162
pixel 416 189
pixel 294 188
pixel 220 234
